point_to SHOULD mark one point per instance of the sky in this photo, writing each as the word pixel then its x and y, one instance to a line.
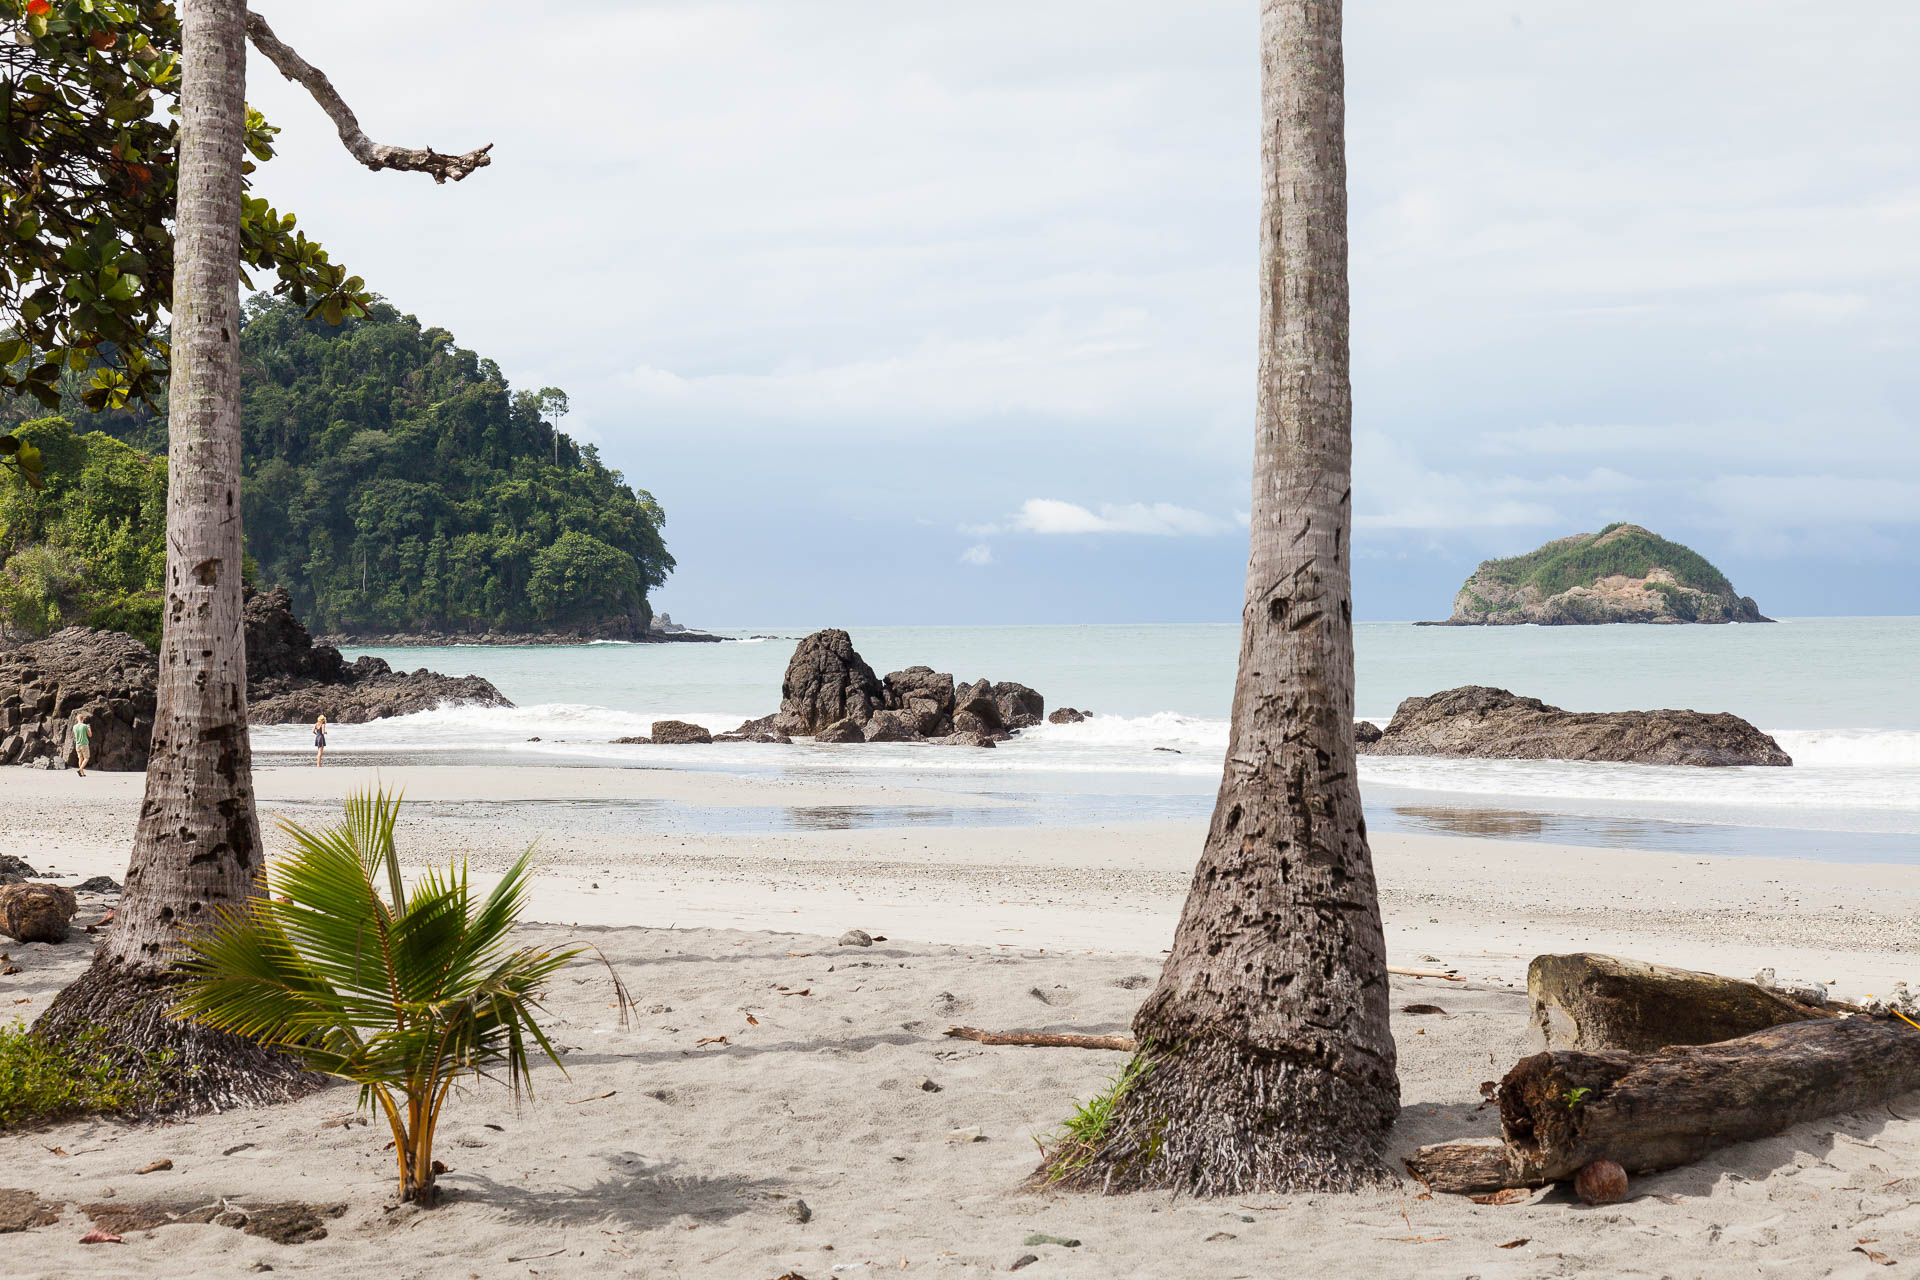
pixel 916 313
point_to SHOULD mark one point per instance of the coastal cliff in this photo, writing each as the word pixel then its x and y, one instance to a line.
pixel 1623 573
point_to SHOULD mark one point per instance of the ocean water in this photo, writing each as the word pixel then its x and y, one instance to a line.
pixel 1840 694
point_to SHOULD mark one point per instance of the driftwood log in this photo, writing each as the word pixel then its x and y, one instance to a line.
pixel 1595 1002
pixel 1042 1039
pixel 1564 1109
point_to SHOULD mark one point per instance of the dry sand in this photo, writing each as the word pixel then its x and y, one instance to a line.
pixel 693 1161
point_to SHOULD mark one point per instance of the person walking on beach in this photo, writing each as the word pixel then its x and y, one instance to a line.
pixel 82 743
pixel 320 742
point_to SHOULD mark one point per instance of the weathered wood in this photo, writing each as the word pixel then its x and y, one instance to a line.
pixel 1042 1039
pixel 1466 1168
pixel 1661 1110
pixel 1446 975
pixel 1596 1002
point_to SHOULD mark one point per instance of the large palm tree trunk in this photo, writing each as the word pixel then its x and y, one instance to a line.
pixel 1266 1063
pixel 197 847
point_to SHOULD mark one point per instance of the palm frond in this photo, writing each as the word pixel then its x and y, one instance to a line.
pixel 399 995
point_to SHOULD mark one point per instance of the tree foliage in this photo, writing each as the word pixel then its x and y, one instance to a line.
pixel 394 482
pixel 90 547
pixel 88 146
pixel 1619 548
pixel 399 992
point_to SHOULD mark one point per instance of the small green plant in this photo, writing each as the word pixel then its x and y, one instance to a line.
pixel 42 1080
pixel 400 994
pixel 1576 1096
pixel 1081 1133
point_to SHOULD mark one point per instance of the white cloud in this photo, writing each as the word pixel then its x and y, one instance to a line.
pixel 1158 519
pixel 977 554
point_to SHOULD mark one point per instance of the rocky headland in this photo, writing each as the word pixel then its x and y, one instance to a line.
pixel 292 680
pixel 109 678
pixel 1493 724
pixel 1623 573
pixel 830 694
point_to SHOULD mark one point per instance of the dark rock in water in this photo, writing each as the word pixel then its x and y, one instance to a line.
pixel 1068 715
pixel 1366 732
pixel 36 912
pixel 831 693
pixel 762 730
pixel 847 730
pixel 279 646
pixel 1488 723
pixel 1020 707
pixel 963 739
pixel 637 740
pixel 98 884
pixel 13 870
pixel 679 731
pixel 893 726
pixel 827 681
pixel 46 685
pixel 291 680
pixel 925 695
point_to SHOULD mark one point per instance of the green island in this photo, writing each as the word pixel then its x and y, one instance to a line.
pixel 395 483
pixel 1624 573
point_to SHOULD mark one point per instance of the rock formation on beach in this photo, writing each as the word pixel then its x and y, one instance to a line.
pixel 48 684
pixel 832 695
pixel 1487 723
pixel 291 680
pixel 1621 574
pixel 109 677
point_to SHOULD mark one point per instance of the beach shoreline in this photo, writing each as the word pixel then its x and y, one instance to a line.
pixel 765 1066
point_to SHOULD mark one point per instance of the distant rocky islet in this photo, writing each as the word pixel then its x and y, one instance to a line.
pixel 1624 573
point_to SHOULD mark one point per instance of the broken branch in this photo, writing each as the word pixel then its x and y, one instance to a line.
pixel 374 155
pixel 1042 1039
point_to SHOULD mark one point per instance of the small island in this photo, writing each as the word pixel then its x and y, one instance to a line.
pixel 1623 573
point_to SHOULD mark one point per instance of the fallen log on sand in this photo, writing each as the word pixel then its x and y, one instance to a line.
pixel 1564 1109
pixel 1042 1039
pixel 1596 1002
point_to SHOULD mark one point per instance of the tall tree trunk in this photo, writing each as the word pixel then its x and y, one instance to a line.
pixel 1266 1062
pixel 197 846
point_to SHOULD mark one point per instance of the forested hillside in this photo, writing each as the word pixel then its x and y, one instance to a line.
pixel 395 482
pixel 88 549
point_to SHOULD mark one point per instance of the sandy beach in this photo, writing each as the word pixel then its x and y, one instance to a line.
pixel 660 1155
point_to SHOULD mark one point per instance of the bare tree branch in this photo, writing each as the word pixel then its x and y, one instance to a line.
pixel 374 155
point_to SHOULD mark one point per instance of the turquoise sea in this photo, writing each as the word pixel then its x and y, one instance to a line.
pixel 1840 694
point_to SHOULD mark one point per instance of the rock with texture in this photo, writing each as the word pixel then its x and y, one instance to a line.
pixel 925 696
pixel 847 730
pixel 827 681
pixel 48 684
pixel 679 731
pixel 36 912
pixel 291 680
pixel 832 694
pixel 1068 715
pixel 1487 723
pixel 1624 573
pixel 14 870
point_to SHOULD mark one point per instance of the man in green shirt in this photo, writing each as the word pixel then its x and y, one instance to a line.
pixel 82 743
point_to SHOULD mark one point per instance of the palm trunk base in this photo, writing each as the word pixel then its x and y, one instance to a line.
pixel 176 1067
pixel 1223 1118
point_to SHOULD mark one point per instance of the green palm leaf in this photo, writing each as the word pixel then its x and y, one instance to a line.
pixel 399 994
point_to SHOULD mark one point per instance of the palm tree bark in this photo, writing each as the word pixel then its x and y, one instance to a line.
pixel 197 847
pixel 1265 1060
